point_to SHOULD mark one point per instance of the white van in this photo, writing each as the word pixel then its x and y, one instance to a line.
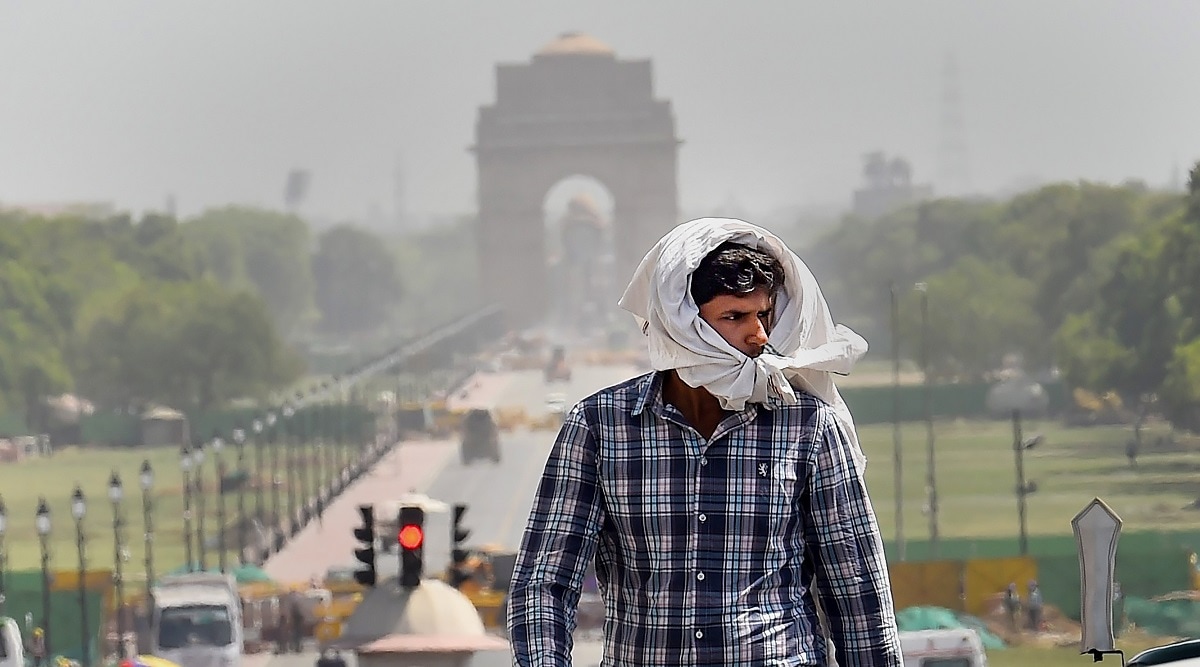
pixel 942 648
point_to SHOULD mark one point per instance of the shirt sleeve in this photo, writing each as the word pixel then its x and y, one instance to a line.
pixel 847 552
pixel 559 542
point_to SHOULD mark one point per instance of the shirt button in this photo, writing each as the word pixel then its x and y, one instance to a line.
pixel 700 576
pixel 699 634
pixel 703 460
pixel 703 518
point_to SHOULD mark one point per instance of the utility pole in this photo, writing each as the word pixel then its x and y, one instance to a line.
pixel 897 447
pixel 931 464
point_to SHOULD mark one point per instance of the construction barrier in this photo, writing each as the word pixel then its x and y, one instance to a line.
pixel 960 585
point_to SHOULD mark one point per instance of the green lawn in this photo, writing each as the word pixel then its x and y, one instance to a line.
pixel 976 479
pixel 55 478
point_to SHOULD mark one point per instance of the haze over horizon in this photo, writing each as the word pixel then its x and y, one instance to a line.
pixel 131 101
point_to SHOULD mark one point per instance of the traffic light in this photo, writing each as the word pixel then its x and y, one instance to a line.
pixel 458 552
pixel 366 554
pixel 411 537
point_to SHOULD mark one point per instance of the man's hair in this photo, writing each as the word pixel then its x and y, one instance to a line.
pixel 735 269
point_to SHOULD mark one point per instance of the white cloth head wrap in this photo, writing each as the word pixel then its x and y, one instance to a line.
pixel 810 347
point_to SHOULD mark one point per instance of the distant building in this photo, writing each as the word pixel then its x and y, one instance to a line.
pixel 888 187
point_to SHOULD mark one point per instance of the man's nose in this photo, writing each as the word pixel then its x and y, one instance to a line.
pixel 758 337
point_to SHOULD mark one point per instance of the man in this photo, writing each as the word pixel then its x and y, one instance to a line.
pixel 1012 606
pixel 721 496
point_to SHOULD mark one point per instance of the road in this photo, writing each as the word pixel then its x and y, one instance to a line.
pixel 498 495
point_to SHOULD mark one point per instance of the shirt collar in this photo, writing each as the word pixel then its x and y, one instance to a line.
pixel 649 391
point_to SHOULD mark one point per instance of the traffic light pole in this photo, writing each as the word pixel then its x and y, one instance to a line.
pixel 365 554
pixel 458 552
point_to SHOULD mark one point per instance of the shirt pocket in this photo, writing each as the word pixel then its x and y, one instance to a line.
pixel 774 491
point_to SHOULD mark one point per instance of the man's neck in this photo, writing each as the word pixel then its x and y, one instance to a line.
pixel 699 407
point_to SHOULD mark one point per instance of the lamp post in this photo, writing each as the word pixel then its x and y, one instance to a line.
pixel 217 445
pixel 146 479
pixel 897 436
pixel 280 445
pixel 239 439
pixel 185 464
pixel 116 494
pixel 273 439
pixel 257 427
pixel 198 480
pixel 42 523
pixel 1020 444
pixel 290 465
pixel 927 402
pixel 79 511
pixel 3 559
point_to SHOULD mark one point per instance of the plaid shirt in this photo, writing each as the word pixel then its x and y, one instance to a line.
pixel 703 550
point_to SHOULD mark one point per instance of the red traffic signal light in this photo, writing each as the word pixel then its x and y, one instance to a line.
pixel 411 537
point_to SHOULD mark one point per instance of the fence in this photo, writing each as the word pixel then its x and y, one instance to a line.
pixel 23 595
pixel 1149 564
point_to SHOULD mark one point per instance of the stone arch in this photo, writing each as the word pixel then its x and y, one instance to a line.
pixel 574 109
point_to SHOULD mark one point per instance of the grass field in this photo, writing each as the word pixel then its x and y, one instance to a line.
pixel 975 475
pixel 55 478
pixel 976 479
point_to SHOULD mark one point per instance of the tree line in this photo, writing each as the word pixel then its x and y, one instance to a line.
pixel 1101 282
pixel 191 314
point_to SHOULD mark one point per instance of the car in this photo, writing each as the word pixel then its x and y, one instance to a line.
pixel 480 437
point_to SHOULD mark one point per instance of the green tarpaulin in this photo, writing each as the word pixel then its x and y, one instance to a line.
pixel 940 618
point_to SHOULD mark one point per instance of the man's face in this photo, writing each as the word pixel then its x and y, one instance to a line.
pixel 742 320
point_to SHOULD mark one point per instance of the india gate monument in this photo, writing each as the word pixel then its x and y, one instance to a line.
pixel 574 110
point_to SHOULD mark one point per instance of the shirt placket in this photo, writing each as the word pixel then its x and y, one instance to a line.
pixel 708 543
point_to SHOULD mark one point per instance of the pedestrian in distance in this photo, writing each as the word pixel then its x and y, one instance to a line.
pixel 721 497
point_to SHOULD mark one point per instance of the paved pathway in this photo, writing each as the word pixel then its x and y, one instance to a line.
pixel 411 465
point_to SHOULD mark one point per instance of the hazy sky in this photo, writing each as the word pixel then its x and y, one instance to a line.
pixel 214 100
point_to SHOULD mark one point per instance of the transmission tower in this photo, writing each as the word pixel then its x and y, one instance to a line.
pixel 954 164
pixel 400 195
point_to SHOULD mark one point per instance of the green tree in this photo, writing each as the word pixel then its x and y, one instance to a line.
pixel 356 278
pixel 978 312
pixel 186 345
pixel 266 251
pixel 32 363
pixel 1139 336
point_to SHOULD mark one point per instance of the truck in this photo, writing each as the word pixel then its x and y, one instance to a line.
pixel 959 647
pixel 197 620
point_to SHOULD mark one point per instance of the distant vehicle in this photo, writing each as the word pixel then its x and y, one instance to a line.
pixel 1180 654
pixel 557 369
pixel 481 437
pixel 942 648
pixel 197 620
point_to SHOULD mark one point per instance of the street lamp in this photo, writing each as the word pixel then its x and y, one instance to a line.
pixel 1023 489
pixel 927 402
pixel 273 440
pixel 3 558
pixel 146 479
pixel 257 427
pixel 42 523
pixel 201 501
pixel 239 439
pixel 79 511
pixel 217 445
pixel 290 474
pixel 185 464
pixel 116 494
